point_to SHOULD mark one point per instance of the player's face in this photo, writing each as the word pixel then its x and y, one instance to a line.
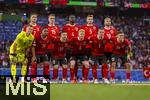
pixel 29 29
pixel 64 36
pixel 100 33
pixel 81 34
pixel 45 32
pixel 34 18
pixel 107 22
pixel 51 19
pixel 121 37
pixel 72 19
pixel 89 20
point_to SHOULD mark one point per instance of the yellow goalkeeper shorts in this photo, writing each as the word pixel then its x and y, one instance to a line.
pixel 20 57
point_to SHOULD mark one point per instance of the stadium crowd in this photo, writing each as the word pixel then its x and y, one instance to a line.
pixel 133 27
pixel 128 1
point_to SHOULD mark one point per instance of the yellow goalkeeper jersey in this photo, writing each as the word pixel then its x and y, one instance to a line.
pixel 23 42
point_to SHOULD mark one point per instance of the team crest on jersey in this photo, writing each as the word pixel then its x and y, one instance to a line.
pixel 76 28
pixel 94 28
pixel 111 31
pixel 53 32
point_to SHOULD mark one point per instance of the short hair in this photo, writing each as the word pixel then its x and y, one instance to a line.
pixel 63 32
pixel 33 14
pixel 51 14
pixel 71 15
pixel 120 32
pixel 90 16
pixel 81 30
pixel 107 18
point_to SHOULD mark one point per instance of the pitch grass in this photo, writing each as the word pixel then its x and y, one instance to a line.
pixel 99 92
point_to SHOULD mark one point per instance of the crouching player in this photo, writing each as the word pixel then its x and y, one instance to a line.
pixel 19 51
pixel 59 56
pixel 79 44
pixel 97 52
pixel 39 55
pixel 121 50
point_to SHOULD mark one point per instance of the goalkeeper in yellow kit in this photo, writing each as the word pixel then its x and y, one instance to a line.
pixel 19 50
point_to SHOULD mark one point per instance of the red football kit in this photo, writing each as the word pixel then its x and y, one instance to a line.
pixel 72 30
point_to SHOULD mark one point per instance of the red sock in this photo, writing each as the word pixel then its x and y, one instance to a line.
pixel 112 75
pixel 128 75
pixel 94 71
pixel 34 68
pixel 105 71
pixel 65 70
pixel 86 73
pixel 72 73
pixel 46 70
pixel 76 70
pixel 55 73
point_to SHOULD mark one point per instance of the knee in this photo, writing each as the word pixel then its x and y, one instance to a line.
pixel 72 63
pixel 86 64
pixel 64 66
pixel 55 66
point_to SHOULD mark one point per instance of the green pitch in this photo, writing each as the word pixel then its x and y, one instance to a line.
pixel 99 92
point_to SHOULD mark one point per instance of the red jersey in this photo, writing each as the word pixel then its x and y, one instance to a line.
pixel 78 46
pixel 53 31
pixel 97 46
pixel 36 30
pixel 71 30
pixel 120 48
pixel 90 30
pixel 109 43
pixel 40 44
pixel 111 30
pixel 60 48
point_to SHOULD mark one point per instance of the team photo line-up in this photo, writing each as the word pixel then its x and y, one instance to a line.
pixel 87 44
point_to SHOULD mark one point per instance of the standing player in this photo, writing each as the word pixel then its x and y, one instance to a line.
pixel 89 27
pixel 19 50
pixel 110 33
pixel 33 22
pixel 97 52
pixel 59 56
pixel 36 31
pixel 108 28
pixel 121 50
pixel 72 30
pixel 39 55
pixel 53 31
pixel 79 47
